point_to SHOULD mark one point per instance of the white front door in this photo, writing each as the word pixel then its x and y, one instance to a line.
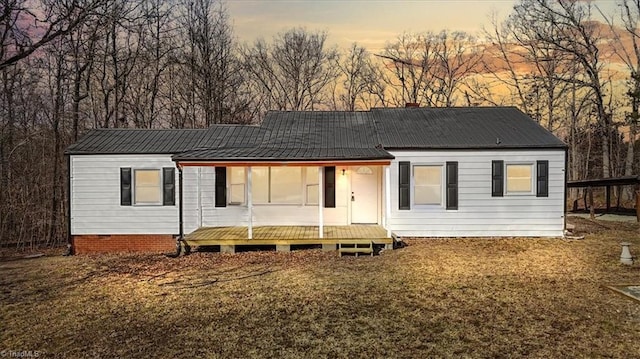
pixel 364 194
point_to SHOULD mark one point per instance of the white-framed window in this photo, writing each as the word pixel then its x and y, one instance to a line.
pixel 237 186
pixel 427 184
pixel 284 185
pixel 260 185
pixel 311 186
pixel 147 186
pixel 519 178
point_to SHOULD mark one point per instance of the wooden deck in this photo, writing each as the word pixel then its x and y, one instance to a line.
pixel 287 235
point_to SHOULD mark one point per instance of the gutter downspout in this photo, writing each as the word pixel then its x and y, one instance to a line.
pixel 566 193
pixel 180 213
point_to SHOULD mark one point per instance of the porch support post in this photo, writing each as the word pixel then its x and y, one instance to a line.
pixel 249 203
pixel 320 202
pixel 387 199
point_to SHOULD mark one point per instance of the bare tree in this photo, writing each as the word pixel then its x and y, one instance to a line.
pixel 630 16
pixel 459 56
pixel 55 69
pixel 116 57
pixel 543 81
pixel 502 65
pixel 80 46
pixel 210 59
pixel 432 68
pixel 145 103
pixel 359 76
pixel 413 60
pixel 293 72
pixel 566 26
pixel 26 26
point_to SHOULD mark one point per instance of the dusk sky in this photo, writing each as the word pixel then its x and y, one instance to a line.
pixel 370 23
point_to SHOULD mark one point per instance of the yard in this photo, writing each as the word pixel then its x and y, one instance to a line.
pixel 443 298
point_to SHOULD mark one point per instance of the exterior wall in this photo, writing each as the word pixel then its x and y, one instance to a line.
pixel 95 198
pixel 200 210
pixel 479 214
pixel 88 244
pixel 99 223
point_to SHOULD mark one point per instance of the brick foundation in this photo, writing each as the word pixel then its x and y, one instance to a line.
pixel 93 243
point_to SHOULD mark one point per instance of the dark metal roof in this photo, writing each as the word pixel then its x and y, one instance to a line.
pixel 303 135
pixel 320 129
pixel 460 128
pixel 331 135
pixel 136 141
pixel 163 141
pixel 221 136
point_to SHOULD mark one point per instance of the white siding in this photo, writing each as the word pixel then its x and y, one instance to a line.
pixel 95 200
pixel 479 214
pixel 263 215
pixel 96 209
pixel 200 182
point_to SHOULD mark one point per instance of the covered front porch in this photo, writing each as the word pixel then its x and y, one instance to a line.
pixel 287 191
pixel 284 203
pixel 283 237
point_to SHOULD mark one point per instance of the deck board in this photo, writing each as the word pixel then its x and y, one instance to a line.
pixel 294 235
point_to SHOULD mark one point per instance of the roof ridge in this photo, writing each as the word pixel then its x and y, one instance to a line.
pixel 442 108
pixel 146 129
pixel 232 125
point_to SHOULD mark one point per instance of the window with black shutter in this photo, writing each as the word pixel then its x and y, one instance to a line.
pixel 168 186
pixel 452 185
pixel 221 187
pixel 497 178
pixel 329 187
pixel 125 186
pixel 404 185
pixel 542 174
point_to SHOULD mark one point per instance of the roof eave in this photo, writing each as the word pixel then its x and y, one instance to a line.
pixel 448 148
pixel 279 159
pixel 88 153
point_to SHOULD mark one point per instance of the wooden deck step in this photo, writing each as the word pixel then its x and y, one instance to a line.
pixel 355 247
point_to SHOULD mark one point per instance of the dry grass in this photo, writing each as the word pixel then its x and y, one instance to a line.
pixel 436 298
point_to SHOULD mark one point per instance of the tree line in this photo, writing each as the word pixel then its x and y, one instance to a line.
pixel 67 66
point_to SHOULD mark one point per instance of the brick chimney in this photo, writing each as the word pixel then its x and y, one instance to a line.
pixel 412 104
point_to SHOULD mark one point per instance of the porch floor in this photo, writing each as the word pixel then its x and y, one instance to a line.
pixel 286 235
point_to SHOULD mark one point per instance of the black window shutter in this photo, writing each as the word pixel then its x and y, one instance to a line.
pixel 329 187
pixel 404 185
pixel 125 186
pixel 497 178
pixel 452 185
pixel 543 179
pixel 168 186
pixel 221 186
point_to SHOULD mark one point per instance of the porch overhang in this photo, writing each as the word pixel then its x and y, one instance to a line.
pixel 288 156
pixel 271 163
pixel 291 157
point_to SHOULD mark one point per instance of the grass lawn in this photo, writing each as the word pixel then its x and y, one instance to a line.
pixel 435 298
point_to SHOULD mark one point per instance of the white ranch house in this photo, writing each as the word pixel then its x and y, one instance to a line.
pixel 404 172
